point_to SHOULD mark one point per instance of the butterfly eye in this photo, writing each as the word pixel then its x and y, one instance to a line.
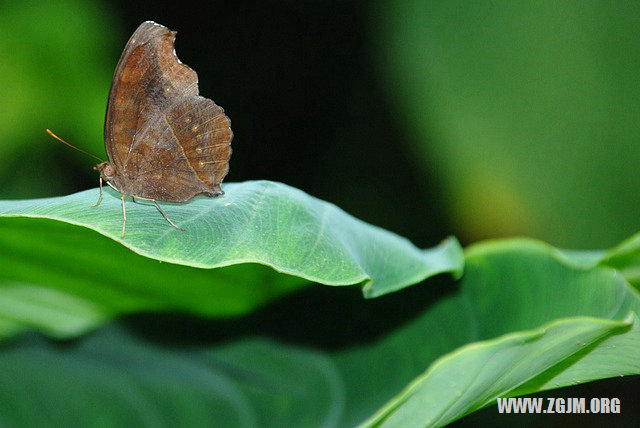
pixel 108 171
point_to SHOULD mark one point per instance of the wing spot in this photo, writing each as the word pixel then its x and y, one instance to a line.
pixel 167 89
pixel 194 128
pixel 201 163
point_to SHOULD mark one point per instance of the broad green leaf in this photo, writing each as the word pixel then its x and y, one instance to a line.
pixel 477 374
pixel 537 300
pixel 113 379
pixel 625 257
pixel 523 319
pixel 255 224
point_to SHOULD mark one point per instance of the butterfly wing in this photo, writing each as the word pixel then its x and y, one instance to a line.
pixel 165 141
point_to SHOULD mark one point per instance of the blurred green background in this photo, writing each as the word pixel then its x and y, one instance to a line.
pixel 486 119
pixel 428 118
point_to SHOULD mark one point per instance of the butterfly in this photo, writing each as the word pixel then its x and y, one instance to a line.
pixel 164 141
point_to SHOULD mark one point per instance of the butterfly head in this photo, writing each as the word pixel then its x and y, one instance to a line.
pixel 108 173
pixel 106 170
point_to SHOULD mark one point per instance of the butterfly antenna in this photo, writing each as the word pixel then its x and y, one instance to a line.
pixel 72 146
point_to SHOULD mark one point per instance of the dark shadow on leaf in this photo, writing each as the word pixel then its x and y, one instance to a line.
pixel 319 316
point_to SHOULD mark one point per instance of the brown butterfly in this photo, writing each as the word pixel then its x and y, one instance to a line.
pixel 164 141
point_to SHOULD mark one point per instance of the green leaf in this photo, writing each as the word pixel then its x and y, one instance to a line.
pixel 523 319
pixel 114 379
pixel 255 224
pixel 477 374
pixel 532 321
pixel 625 257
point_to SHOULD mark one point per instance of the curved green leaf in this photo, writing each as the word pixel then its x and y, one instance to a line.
pixel 625 257
pixel 119 381
pixel 255 224
pixel 525 319
pixel 65 280
pixel 477 374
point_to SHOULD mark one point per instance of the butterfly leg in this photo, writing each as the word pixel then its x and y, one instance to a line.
pixel 124 215
pixel 166 217
pixel 99 197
